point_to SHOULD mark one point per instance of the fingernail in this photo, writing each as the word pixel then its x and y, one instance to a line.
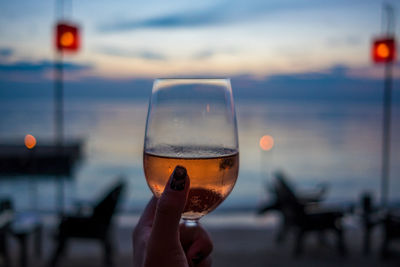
pixel 178 178
pixel 197 259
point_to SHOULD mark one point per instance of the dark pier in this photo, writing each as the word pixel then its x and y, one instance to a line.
pixel 45 159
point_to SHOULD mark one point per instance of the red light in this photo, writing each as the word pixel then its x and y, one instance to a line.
pixel 384 50
pixel 67 37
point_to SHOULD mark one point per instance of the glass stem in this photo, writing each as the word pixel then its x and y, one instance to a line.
pixel 191 222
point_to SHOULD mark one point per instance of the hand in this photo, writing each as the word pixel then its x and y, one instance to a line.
pixel 159 240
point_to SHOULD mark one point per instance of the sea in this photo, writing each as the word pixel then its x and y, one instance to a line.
pixel 333 143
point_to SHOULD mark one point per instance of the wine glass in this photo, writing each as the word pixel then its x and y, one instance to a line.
pixel 192 123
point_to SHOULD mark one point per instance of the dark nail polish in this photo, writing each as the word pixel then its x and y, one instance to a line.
pixel 197 259
pixel 178 178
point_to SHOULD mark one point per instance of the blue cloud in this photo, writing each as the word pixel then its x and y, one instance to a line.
pixel 204 54
pixel 6 52
pixel 209 53
pixel 143 54
pixel 34 67
pixel 223 12
pixel 227 11
pixel 330 85
pixel 188 19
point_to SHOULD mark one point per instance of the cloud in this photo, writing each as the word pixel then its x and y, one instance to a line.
pixel 34 72
pixel 143 54
pixel 224 12
pixel 227 11
pixel 176 20
pixel 6 52
pixel 329 85
pixel 374 72
pixel 344 41
pixel 333 85
pixel 209 53
pixel 41 66
pixel 151 55
pixel 204 54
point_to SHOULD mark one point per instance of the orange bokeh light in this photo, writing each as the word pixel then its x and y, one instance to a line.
pixel 67 39
pixel 383 50
pixel 30 141
pixel 266 142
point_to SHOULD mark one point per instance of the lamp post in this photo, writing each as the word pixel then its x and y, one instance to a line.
pixel 384 52
pixel 30 143
pixel 67 39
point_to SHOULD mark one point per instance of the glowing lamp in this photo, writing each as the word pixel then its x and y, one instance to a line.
pixel 30 141
pixel 266 142
pixel 384 50
pixel 67 37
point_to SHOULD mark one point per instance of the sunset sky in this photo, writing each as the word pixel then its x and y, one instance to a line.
pixel 147 39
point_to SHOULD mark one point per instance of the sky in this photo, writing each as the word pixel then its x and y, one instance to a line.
pixel 289 50
pixel 124 40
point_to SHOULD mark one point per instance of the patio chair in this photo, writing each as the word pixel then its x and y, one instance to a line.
pixel 304 219
pixel 371 216
pixel 20 226
pixel 94 226
pixel 313 197
pixel 5 221
pixel 391 226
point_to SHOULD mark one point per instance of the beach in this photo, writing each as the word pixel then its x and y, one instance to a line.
pixel 238 241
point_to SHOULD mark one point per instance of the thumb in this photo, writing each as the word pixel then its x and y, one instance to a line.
pixel 170 206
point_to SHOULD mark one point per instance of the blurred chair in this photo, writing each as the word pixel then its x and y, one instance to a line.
pixel 300 216
pixel 6 214
pixel 371 216
pixel 313 197
pixel 24 225
pixel 391 225
pixel 96 226
pixel 21 226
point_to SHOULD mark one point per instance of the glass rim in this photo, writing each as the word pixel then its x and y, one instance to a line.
pixel 192 78
pixel 166 82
